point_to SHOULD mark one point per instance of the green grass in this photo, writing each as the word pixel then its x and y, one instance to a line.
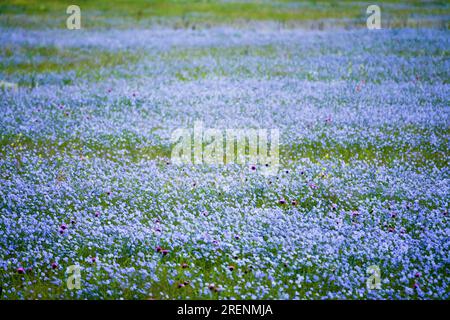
pixel 106 146
pixel 29 65
pixel 187 14
pixel 53 59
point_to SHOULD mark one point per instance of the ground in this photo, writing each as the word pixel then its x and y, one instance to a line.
pixel 87 178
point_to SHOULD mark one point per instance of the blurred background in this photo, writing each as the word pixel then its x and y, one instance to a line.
pixel 207 13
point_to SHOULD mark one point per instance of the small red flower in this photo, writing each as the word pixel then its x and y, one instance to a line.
pixel 20 270
pixel 54 265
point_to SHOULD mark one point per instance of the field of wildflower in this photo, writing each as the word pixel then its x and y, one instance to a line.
pixel 87 179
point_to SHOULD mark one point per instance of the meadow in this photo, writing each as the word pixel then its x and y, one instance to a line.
pixel 86 176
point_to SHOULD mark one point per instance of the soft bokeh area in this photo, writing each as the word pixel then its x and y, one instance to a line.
pixel 87 179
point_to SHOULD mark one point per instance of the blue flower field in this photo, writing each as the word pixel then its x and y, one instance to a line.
pixel 358 207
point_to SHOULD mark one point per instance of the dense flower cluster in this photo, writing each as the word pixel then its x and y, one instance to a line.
pixel 86 178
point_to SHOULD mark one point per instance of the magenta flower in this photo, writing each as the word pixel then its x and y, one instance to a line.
pixel 20 270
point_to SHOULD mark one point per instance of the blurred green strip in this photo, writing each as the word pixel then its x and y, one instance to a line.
pixel 178 13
